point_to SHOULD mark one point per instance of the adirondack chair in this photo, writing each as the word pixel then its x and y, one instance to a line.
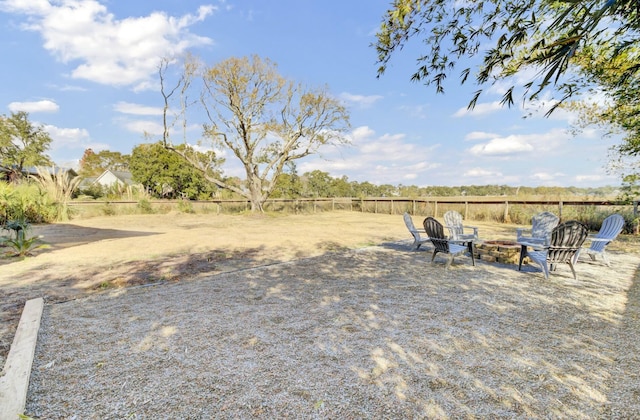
pixel 418 239
pixel 564 247
pixel 540 232
pixel 610 229
pixel 441 243
pixel 453 222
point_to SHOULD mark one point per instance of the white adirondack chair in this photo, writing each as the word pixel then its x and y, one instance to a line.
pixel 418 239
pixel 610 229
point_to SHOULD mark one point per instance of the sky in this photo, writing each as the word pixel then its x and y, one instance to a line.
pixel 86 70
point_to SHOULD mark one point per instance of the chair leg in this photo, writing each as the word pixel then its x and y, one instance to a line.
pixel 523 253
pixel 433 257
pixel 545 269
pixel 573 270
pixel 473 258
pixel 449 262
pixel 606 259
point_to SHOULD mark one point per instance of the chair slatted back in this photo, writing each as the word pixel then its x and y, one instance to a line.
pixel 610 229
pixel 542 224
pixel 453 219
pixel 566 240
pixel 408 221
pixel 435 232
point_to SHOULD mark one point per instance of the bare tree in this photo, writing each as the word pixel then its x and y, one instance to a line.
pixel 263 119
pixel 173 116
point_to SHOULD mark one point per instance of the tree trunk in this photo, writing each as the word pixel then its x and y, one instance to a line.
pixel 257 197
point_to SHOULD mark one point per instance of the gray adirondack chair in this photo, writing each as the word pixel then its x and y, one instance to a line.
pixel 457 232
pixel 418 239
pixel 564 247
pixel 610 229
pixel 540 232
pixel 442 244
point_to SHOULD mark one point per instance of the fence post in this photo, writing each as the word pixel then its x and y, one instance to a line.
pixel 413 206
pixel 435 209
pixel 392 206
pixel 506 218
pixel 560 209
pixel 635 217
pixel 466 210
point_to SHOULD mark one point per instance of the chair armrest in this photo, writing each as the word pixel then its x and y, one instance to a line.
pixel 537 246
pixel 598 239
pixel 475 229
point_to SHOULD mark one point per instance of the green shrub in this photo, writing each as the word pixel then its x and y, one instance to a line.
pixel 108 209
pixel 94 191
pixel 185 206
pixel 20 244
pixel 26 201
pixel 144 206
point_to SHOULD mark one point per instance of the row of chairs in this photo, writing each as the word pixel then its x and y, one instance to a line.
pixel 552 243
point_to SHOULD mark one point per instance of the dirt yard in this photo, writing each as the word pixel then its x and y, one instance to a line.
pixel 95 255
pixel 346 303
pixel 98 254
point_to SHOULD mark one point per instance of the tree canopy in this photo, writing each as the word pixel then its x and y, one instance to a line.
pixel 167 175
pixel 93 164
pixel 511 36
pixel 22 145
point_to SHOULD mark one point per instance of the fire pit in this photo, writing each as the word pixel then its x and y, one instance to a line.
pixel 504 252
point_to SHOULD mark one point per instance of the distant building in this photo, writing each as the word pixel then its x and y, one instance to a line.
pixel 110 178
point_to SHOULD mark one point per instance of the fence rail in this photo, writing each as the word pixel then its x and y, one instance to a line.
pixel 395 205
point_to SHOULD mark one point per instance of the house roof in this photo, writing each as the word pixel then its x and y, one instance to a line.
pixel 123 176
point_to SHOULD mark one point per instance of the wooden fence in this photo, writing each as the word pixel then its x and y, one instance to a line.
pixel 396 205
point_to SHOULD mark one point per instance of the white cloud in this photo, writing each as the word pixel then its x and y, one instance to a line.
pixel 481 172
pixel 360 100
pixel 502 146
pixel 519 144
pixel 590 178
pixel 362 133
pixel 38 106
pixel 141 127
pixel 479 135
pixel 67 88
pixel 379 159
pixel 479 110
pixel 109 51
pixel 136 109
pixel 546 176
pixel 67 137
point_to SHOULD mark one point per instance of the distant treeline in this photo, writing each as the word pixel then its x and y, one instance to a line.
pixel 321 184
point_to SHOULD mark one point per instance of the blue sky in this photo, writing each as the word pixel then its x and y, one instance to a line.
pixel 86 70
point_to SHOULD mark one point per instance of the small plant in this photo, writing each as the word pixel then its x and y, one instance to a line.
pixel 20 244
pixel 185 206
pixel 145 206
pixel 108 209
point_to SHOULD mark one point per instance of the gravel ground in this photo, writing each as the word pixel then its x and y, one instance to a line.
pixel 373 333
